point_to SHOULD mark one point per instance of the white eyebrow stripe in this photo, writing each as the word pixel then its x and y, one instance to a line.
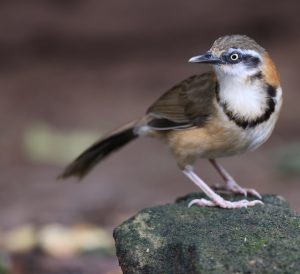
pixel 246 52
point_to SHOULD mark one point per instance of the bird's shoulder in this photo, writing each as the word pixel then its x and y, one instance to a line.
pixel 187 104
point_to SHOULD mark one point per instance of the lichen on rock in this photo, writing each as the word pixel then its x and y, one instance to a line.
pixel 175 239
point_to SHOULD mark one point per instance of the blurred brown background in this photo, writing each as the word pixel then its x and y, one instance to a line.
pixel 72 69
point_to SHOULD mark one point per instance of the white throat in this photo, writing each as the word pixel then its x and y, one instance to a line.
pixel 243 97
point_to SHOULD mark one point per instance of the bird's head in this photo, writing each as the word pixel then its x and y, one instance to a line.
pixel 234 55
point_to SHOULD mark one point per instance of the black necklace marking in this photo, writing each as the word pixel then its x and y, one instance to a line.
pixel 272 91
pixel 245 123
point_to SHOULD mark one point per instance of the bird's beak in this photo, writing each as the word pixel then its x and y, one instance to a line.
pixel 206 58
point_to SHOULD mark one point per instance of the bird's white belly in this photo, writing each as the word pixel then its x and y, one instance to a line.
pixel 250 138
pixel 235 140
pixel 258 135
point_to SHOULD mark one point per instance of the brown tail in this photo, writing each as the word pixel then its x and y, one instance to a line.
pixel 100 150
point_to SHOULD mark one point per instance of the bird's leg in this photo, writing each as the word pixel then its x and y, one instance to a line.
pixel 231 184
pixel 216 200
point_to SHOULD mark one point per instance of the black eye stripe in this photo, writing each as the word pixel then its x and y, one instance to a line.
pixel 250 60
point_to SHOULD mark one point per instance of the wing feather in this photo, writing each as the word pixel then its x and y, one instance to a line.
pixel 188 104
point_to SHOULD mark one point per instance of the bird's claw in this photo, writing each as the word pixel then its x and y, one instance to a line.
pixel 232 186
pixel 224 203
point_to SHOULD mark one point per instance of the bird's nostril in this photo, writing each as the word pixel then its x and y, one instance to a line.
pixel 208 55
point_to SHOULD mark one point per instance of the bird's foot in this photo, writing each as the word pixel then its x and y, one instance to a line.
pixel 224 203
pixel 234 187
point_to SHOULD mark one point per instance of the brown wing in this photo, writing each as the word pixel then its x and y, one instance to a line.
pixel 188 104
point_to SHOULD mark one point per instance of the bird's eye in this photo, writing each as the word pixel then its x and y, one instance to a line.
pixel 234 57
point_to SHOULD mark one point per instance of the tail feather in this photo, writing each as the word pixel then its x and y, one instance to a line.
pixel 97 152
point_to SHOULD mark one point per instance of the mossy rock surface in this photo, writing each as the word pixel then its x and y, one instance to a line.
pixel 175 239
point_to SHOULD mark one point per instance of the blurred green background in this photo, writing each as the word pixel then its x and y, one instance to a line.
pixel 72 69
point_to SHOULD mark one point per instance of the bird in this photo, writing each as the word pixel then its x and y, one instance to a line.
pixel 229 110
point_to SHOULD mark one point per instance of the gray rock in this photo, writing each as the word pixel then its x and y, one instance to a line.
pixel 175 239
